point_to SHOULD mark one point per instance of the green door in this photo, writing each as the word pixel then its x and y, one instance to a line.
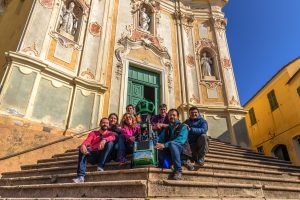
pixel 143 84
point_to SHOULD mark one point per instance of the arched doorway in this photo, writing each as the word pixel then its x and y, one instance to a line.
pixel 296 143
pixel 280 151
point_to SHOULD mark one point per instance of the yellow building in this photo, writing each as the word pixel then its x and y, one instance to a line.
pixel 273 120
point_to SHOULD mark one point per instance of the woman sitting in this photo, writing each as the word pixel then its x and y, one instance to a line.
pixel 126 139
pixel 116 129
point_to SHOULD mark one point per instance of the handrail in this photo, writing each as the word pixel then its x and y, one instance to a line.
pixel 48 144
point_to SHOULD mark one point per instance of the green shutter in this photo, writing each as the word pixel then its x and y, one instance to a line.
pixel 272 100
pixel 252 116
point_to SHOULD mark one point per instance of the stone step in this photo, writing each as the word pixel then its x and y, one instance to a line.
pixel 260 163
pixel 211 165
pixel 211 152
pixel 61 170
pixel 151 174
pixel 172 188
pixel 200 176
pixel 104 189
pixel 94 176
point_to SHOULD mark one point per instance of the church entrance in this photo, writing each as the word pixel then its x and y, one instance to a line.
pixel 143 84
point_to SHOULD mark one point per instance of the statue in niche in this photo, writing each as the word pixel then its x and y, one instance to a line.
pixel 68 20
pixel 144 19
pixel 206 63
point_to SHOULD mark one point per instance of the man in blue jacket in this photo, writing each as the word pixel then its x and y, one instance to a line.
pixel 197 137
pixel 173 141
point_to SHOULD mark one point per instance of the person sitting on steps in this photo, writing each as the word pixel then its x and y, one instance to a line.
pixel 116 129
pixel 129 130
pixel 173 141
pixel 95 150
pixel 197 137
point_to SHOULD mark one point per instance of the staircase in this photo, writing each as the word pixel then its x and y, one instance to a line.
pixel 230 172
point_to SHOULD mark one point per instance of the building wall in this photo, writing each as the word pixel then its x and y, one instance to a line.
pixel 282 125
pixel 13 17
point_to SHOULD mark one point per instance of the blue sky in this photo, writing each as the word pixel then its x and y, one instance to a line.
pixel 263 36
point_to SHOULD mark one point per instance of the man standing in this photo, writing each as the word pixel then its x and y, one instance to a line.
pixel 161 120
pixel 197 137
pixel 173 140
pixel 95 149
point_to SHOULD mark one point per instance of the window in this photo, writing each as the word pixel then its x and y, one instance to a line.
pixel 252 116
pixel 298 90
pixel 260 149
pixel 272 100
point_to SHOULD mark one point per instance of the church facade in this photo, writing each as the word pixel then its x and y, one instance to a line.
pixel 75 61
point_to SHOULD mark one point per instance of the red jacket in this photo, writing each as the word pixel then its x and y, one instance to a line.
pixel 94 138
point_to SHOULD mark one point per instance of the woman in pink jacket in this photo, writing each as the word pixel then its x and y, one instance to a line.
pixel 129 130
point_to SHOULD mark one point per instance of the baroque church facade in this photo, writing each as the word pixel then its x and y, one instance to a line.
pixel 75 61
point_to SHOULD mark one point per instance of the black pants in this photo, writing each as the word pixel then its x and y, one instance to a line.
pixel 200 147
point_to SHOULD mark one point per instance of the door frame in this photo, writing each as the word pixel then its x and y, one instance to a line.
pixel 149 67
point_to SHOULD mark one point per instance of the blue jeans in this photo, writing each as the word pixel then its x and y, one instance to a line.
pixel 175 150
pixel 124 147
pixel 94 157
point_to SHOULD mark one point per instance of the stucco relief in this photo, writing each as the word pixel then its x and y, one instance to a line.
pixel 95 29
pixel 135 39
pixel 47 3
pixel 67 43
pixel 88 74
pixel 233 101
pixel 190 60
pixel 195 99
pixel 205 42
pixel 226 63
pixel 220 26
pixel 31 50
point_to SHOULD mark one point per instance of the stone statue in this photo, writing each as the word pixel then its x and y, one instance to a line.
pixel 68 20
pixel 206 63
pixel 144 20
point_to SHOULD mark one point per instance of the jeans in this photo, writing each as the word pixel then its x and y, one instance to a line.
pixel 124 147
pixel 199 147
pixel 94 157
pixel 175 150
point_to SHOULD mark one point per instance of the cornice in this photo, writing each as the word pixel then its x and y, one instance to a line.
pixel 44 68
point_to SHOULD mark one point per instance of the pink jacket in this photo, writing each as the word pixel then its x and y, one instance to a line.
pixel 129 131
pixel 94 138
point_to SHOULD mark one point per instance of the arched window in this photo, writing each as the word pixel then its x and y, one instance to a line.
pixel 280 151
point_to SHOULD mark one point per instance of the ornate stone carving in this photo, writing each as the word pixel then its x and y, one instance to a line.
pixel 47 3
pixel 233 101
pixel 66 42
pixel 219 22
pixel 133 39
pixel 95 29
pixel 211 84
pixel 205 42
pixel 32 51
pixel 88 74
pixel 195 99
pixel 138 4
pixel 226 63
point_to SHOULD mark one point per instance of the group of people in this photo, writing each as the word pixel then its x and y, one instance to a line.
pixel 181 143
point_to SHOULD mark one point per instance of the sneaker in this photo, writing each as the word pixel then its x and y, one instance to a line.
pixel 177 176
pixel 189 165
pixel 79 179
pixel 200 161
pixel 100 169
